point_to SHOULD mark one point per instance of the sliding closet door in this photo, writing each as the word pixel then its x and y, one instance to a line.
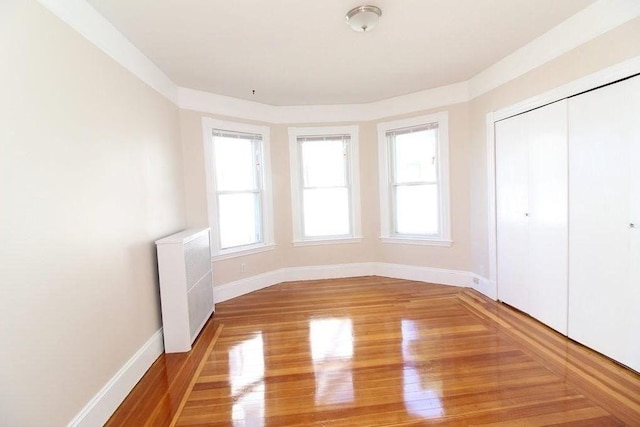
pixel 548 214
pixel 604 288
pixel 512 182
pixel 531 197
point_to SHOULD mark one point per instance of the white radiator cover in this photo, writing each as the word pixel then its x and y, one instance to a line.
pixel 186 287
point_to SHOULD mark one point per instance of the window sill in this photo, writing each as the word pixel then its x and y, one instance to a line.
pixel 254 249
pixel 332 241
pixel 416 241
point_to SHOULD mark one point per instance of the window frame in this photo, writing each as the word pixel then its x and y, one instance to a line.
pixel 387 204
pixel 209 125
pixel 297 185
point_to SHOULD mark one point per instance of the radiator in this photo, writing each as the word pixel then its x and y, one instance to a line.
pixel 186 288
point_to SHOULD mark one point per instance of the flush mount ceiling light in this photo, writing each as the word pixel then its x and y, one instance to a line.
pixel 363 18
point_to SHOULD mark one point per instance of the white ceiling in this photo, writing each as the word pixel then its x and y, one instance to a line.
pixel 302 52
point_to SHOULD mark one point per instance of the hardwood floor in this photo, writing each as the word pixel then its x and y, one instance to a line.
pixel 376 351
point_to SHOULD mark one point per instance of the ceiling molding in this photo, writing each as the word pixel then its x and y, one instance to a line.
pixel 190 99
pixel 83 18
pixel 586 25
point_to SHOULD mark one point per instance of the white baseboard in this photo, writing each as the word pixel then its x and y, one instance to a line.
pixel 316 272
pixel 424 274
pixel 244 286
pixel 486 287
pixel 336 271
pixel 107 400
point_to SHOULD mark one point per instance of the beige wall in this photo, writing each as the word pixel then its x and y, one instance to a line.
pixel 456 257
pixel 284 255
pixel 90 176
pixel 370 249
pixel 469 251
pixel 609 49
pixel 91 173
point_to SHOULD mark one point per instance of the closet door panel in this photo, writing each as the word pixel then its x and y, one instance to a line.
pixel 602 295
pixel 632 315
pixel 633 304
pixel 548 214
pixel 632 307
pixel 511 209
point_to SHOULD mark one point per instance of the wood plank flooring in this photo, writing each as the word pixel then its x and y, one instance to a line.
pixel 374 351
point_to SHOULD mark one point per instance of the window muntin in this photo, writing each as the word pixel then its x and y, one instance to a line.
pixel 324 184
pixel 414 186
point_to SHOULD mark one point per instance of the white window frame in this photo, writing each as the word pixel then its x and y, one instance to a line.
pixel 386 204
pixel 267 243
pixel 353 174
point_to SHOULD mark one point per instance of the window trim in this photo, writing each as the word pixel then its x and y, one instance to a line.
pixel 296 184
pixel 384 166
pixel 267 243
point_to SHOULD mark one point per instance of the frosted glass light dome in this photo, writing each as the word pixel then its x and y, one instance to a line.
pixel 363 18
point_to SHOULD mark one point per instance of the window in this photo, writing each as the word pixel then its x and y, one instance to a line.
pixel 324 184
pixel 238 187
pixel 414 180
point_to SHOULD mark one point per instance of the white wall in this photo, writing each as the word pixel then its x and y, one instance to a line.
pixel 90 176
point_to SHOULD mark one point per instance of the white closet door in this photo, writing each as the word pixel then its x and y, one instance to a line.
pixel 512 179
pixel 548 216
pixel 633 299
pixel 531 197
pixel 604 286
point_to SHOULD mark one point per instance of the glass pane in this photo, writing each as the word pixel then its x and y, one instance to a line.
pixel 416 156
pixel 235 164
pixel 238 225
pixel 323 163
pixel 326 212
pixel 417 209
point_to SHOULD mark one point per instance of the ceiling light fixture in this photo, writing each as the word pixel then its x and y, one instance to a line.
pixel 363 18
